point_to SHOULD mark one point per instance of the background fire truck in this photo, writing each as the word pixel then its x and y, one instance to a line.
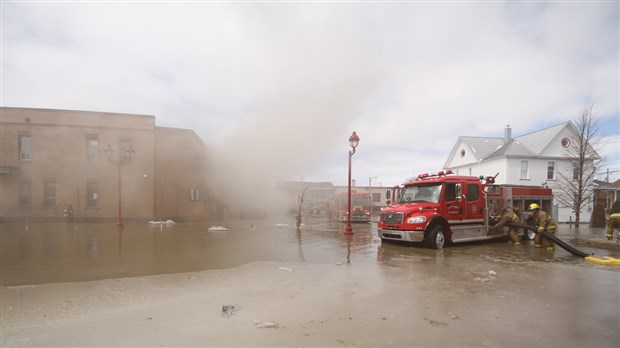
pixel 441 208
pixel 360 207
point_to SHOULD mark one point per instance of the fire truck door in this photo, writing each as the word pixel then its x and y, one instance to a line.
pixel 474 207
pixel 453 201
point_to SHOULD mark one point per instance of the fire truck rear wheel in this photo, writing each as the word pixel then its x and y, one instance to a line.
pixel 436 238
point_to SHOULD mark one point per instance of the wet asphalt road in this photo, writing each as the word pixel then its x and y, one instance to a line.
pixel 40 253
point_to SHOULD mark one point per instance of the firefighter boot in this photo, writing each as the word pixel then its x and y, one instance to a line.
pixel 515 237
pixel 538 241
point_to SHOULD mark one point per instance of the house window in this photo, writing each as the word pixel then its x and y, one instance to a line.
pixel 575 173
pixel 524 170
pixel 49 193
pixel 24 147
pixel 550 170
pixel 92 194
pixel 24 193
pixel 92 148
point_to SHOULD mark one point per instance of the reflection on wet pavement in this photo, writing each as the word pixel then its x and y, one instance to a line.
pixel 59 252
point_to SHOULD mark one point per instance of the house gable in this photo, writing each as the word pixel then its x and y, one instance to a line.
pixel 536 142
pixel 471 150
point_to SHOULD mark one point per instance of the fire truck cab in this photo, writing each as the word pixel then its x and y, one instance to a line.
pixel 439 208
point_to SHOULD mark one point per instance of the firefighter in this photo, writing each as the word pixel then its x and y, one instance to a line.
pixel 507 215
pixel 545 223
pixel 614 220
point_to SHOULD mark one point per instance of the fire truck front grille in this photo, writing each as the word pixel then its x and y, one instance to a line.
pixel 391 219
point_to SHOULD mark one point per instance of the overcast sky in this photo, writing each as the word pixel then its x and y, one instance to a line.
pixel 280 86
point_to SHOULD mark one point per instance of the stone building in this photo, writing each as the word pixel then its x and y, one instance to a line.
pixel 52 158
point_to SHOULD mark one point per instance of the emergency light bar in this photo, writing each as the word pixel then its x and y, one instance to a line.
pixel 440 173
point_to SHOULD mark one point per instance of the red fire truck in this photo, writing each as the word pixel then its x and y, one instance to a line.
pixel 440 208
pixel 360 207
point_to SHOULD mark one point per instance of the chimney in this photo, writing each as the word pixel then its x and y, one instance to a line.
pixel 507 134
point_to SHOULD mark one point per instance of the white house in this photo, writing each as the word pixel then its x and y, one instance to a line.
pixel 532 159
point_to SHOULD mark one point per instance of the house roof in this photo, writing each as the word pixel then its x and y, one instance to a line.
pixel 607 186
pixel 528 145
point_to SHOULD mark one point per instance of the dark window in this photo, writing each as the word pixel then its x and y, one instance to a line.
pixel 575 173
pixel 550 170
pixel 473 193
pixel 24 193
pixel 24 147
pixel 92 194
pixel 49 194
pixel 450 193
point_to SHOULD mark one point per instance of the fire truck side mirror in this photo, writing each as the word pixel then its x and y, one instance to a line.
pixel 459 192
pixel 388 195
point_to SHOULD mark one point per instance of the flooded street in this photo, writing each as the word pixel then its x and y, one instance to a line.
pixel 64 252
pixel 95 285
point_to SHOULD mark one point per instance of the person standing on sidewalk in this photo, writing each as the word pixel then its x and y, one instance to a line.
pixel 545 223
pixel 614 220
pixel 507 215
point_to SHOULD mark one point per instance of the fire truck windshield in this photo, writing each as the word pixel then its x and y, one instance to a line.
pixel 429 193
pixel 360 200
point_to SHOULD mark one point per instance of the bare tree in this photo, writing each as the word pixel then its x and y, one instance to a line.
pixel 575 187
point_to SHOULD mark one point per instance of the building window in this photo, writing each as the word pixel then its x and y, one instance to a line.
pixel 123 146
pixel 194 194
pixel 92 194
pixel 524 170
pixel 376 197
pixel 550 170
pixel 92 148
pixel 24 193
pixel 24 147
pixel 575 173
pixel 565 142
pixel 49 193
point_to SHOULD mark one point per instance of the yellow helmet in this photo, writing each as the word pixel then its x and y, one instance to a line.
pixel 534 206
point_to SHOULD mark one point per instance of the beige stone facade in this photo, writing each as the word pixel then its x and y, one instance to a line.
pixel 50 158
pixel 180 175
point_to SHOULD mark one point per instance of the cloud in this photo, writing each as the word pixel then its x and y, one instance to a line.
pixel 279 87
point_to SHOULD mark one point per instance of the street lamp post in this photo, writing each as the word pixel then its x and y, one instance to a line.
pixel 123 158
pixel 354 140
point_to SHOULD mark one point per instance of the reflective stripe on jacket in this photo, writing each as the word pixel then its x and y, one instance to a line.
pixel 544 221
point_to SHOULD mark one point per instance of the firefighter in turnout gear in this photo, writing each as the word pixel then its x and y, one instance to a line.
pixel 507 215
pixel 614 220
pixel 545 223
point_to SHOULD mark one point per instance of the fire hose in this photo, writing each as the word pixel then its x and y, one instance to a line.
pixel 588 257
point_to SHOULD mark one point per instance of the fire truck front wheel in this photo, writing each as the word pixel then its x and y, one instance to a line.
pixel 435 239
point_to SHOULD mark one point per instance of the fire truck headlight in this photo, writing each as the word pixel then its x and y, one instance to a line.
pixel 416 220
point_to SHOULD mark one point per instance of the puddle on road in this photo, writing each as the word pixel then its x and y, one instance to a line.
pixel 59 252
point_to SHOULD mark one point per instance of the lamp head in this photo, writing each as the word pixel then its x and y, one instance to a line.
pixel 354 140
